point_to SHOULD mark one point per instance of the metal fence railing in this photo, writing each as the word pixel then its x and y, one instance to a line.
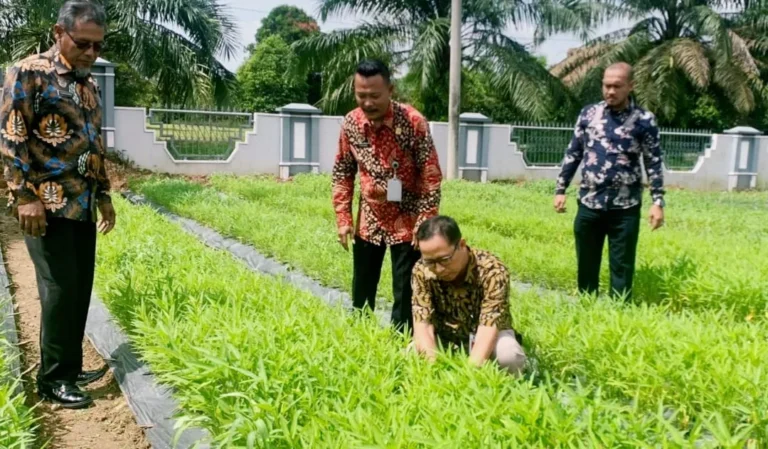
pixel 199 135
pixel 545 144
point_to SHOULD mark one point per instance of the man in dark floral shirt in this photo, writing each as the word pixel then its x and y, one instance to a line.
pixel 611 138
pixel 53 159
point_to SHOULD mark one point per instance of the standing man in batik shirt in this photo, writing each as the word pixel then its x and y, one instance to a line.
pixel 53 160
pixel 390 145
pixel 612 137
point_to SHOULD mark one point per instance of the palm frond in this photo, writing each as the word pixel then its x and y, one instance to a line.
pixel 178 65
pixel 207 24
pixel 691 57
pixel 736 85
pixel 742 55
pixel 658 82
pixel 429 50
pixel 574 16
pixel 525 83
pixel 378 9
pixel 357 43
pixel 578 62
pixel 588 87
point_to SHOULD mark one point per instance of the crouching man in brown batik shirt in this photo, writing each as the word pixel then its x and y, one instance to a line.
pixel 461 298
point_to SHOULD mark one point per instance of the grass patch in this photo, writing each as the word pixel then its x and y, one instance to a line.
pixel 17 421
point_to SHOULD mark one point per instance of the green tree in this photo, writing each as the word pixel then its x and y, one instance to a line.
pixel 268 80
pixel 173 43
pixel 292 24
pixel 418 32
pixel 132 89
pixel 681 50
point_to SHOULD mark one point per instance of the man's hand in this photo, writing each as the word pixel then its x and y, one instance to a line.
pixel 656 217
pixel 424 340
pixel 346 236
pixel 108 218
pixel 485 343
pixel 32 219
pixel 560 203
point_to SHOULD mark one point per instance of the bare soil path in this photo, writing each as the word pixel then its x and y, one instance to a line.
pixel 109 423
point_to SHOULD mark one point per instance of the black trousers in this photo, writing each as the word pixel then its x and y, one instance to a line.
pixel 64 262
pixel 368 259
pixel 622 228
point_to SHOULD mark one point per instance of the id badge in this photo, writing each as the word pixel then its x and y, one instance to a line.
pixel 394 190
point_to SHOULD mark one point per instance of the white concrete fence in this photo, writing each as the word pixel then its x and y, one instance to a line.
pixel 298 139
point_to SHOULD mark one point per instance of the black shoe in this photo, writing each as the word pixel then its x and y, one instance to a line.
pixel 67 395
pixel 88 377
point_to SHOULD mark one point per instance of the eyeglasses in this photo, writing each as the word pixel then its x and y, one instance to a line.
pixel 84 46
pixel 443 261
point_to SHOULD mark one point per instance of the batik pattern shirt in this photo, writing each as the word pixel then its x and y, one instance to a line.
pixel 457 309
pixel 50 140
pixel 404 137
pixel 612 143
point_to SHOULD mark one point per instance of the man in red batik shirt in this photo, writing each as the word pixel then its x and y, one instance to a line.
pixel 391 147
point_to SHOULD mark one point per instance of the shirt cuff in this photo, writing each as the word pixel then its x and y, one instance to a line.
pixel 104 198
pixel 343 219
pixel 24 195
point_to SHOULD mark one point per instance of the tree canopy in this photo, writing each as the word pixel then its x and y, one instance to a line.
pixel 173 43
pixel 267 79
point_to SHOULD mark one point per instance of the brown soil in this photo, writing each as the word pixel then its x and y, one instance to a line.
pixel 109 423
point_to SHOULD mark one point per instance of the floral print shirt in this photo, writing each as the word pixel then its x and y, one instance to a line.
pixel 404 138
pixel 50 138
pixel 613 142
pixel 457 309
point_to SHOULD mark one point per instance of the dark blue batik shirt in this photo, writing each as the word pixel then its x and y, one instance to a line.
pixel 611 144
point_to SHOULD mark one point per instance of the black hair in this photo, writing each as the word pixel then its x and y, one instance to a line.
pixel 84 11
pixel 373 67
pixel 441 225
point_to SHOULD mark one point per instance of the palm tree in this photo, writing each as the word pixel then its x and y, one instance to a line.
pixel 416 33
pixel 174 43
pixel 679 48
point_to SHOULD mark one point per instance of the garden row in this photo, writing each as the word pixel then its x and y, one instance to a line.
pixel 707 366
pixel 262 364
pixel 710 255
pixel 17 422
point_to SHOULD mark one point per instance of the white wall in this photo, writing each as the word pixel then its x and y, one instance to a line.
pixel 261 150
pixel 259 153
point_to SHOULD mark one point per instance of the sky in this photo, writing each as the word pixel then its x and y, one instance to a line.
pixel 248 14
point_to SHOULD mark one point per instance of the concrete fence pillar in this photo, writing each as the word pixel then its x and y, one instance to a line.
pixel 744 158
pixel 103 72
pixel 474 141
pixel 299 139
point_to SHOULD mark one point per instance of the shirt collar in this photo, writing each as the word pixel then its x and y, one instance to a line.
pixel 63 67
pixel 471 275
pixel 630 107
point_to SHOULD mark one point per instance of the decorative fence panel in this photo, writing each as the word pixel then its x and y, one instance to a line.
pixel 545 144
pixel 199 135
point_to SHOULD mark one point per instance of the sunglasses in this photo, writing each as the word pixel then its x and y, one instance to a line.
pixel 84 46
